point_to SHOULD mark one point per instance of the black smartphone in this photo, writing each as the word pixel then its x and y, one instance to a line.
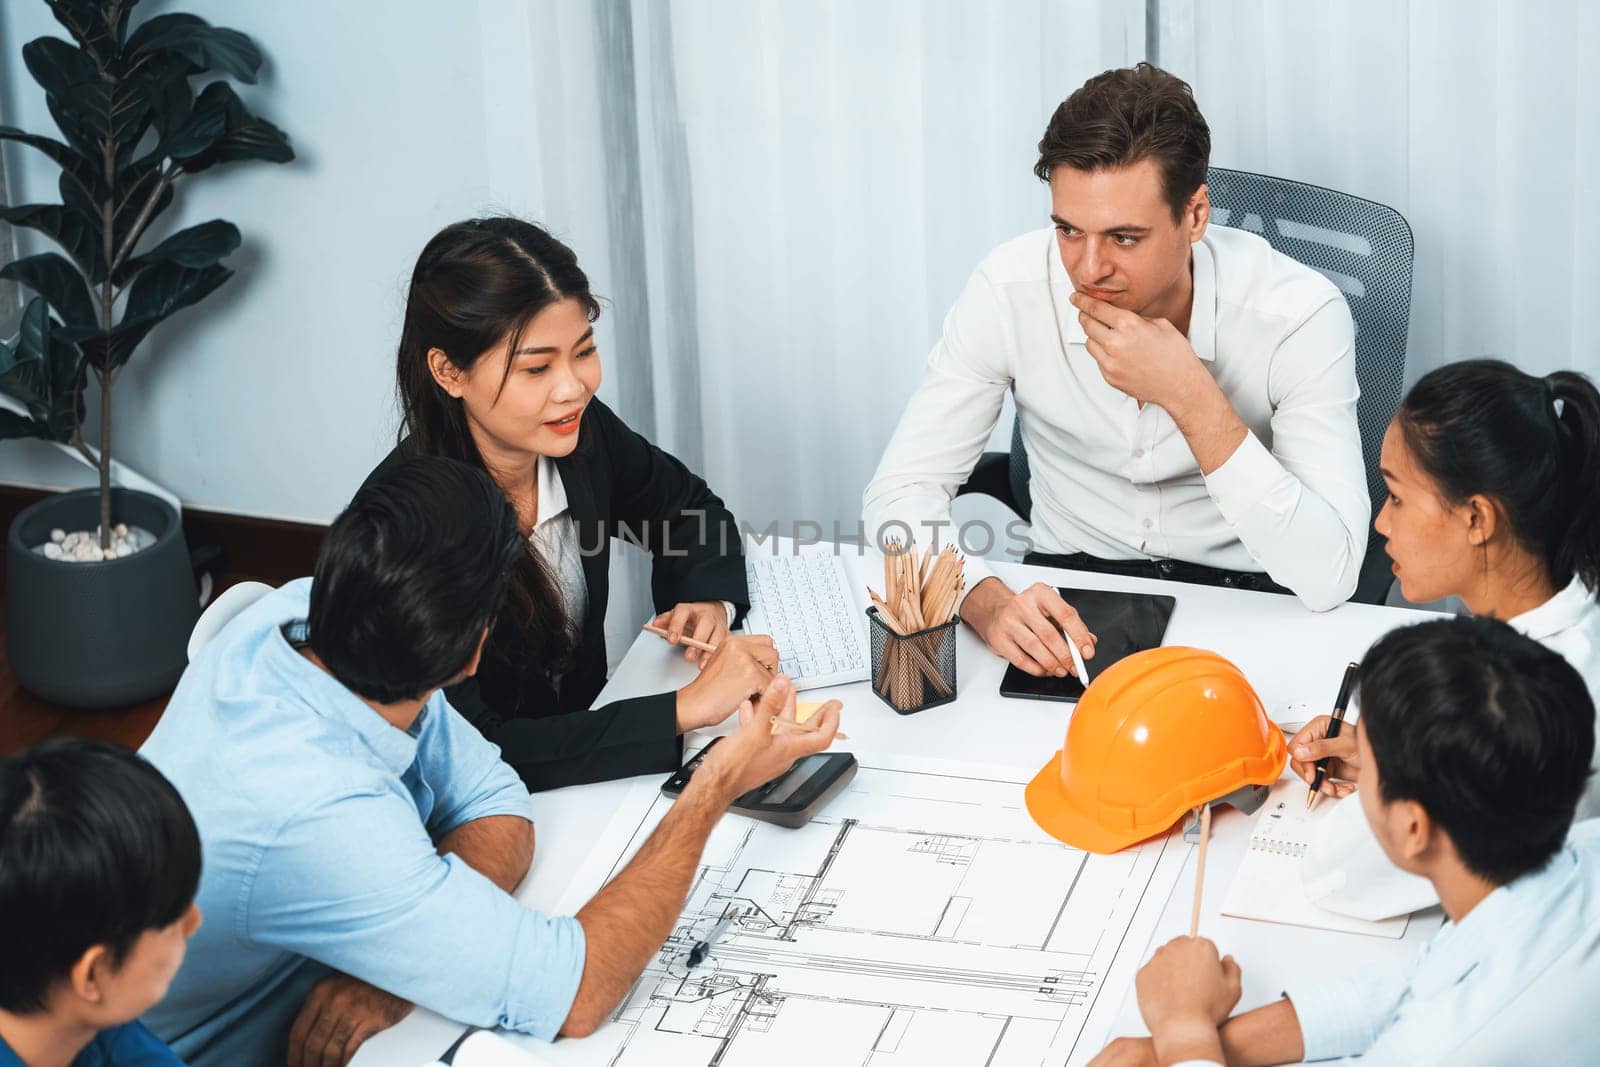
pixel 789 799
pixel 1125 623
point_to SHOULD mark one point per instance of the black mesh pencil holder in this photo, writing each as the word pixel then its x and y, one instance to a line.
pixel 913 672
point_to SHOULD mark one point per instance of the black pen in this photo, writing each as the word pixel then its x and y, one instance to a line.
pixel 1340 703
pixel 697 955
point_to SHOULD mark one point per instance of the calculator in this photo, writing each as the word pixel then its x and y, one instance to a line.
pixel 790 799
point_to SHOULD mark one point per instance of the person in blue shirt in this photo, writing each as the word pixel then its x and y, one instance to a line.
pixel 99 862
pixel 1474 745
pixel 362 839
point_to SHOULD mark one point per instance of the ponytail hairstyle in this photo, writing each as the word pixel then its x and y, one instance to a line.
pixel 1531 444
pixel 476 284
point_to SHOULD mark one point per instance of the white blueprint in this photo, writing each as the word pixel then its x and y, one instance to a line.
pixel 921 918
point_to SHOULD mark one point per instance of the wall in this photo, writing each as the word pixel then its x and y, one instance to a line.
pixel 275 396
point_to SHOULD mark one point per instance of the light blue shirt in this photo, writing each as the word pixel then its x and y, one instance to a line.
pixel 317 823
pixel 1517 980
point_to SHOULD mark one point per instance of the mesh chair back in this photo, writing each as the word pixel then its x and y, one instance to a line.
pixel 1362 247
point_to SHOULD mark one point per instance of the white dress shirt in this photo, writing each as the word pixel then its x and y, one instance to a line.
pixel 1119 481
pixel 1517 980
pixel 555 538
pixel 1345 869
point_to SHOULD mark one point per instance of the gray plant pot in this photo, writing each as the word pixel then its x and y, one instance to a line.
pixel 99 635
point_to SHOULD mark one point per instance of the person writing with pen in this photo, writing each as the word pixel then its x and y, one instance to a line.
pixel 1474 751
pixel 1492 476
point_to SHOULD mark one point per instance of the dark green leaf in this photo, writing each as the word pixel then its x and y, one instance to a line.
pixel 197 246
pixel 160 85
pixel 206 47
pixel 75 168
pixel 42 374
pixel 101 349
pixel 57 66
pixel 79 235
pixel 33 340
pixel 81 99
pixel 166 85
pixel 33 332
pixel 79 202
pixel 244 137
pixel 206 121
pixel 90 105
pixel 66 389
pixel 169 287
pixel 53 277
pixel 153 28
pixel 14 426
pixel 94 24
pixel 135 185
pixel 156 294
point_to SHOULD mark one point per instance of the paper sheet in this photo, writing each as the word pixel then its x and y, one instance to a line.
pixel 1268 884
pixel 484 1049
pixel 921 918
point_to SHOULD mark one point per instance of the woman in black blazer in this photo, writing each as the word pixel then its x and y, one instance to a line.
pixel 498 367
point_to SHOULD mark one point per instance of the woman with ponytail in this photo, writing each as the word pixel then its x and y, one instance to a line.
pixel 1494 497
pixel 498 367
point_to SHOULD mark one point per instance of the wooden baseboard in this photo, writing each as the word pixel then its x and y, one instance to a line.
pixel 265 550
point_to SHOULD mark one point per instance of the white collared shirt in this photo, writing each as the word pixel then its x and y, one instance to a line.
pixel 1119 481
pixel 555 538
pixel 1517 980
pixel 1345 869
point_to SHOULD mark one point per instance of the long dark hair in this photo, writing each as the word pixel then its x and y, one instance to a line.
pixel 1531 444
pixel 475 283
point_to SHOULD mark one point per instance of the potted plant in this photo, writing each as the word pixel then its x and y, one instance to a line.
pixel 102 618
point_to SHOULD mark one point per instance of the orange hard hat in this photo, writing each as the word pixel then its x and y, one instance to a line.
pixel 1158 734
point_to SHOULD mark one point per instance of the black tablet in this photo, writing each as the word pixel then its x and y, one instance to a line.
pixel 1125 623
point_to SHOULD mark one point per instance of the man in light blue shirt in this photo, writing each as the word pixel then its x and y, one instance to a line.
pixel 1474 746
pixel 361 839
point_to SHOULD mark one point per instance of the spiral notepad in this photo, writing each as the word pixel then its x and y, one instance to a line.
pixel 1267 886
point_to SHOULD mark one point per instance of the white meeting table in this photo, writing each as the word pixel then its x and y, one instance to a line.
pixel 1293 657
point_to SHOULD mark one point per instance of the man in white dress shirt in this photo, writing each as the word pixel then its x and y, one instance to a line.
pixel 1186 395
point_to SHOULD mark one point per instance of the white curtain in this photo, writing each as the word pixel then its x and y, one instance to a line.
pixel 781 199
pixel 1475 119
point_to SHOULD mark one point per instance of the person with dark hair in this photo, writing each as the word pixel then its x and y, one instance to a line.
pixel 362 839
pixel 1475 746
pixel 1493 476
pixel 99 864
pixel 1186 395
pixel 498 367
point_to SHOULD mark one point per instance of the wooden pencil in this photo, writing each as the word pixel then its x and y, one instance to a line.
pixel 686 641
pixel 803 728
pixel 1200 870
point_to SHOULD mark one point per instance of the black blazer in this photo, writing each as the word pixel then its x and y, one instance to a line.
pixel 618 485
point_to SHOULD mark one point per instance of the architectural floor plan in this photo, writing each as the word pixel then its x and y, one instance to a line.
pixel 921 918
